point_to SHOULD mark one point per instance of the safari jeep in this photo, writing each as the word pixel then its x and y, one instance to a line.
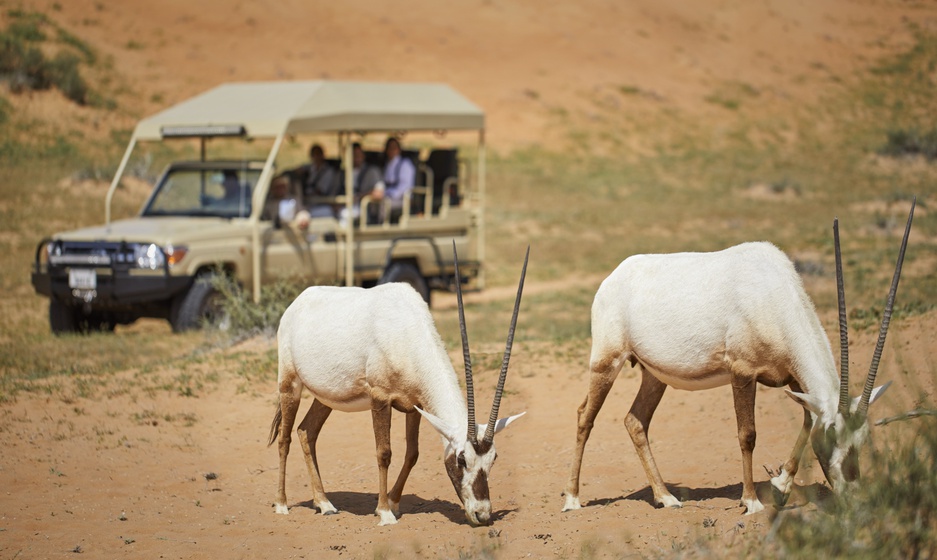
pixel 195 225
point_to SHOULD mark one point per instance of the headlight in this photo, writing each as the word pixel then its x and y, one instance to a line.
pixel 149 256
pixel 54 249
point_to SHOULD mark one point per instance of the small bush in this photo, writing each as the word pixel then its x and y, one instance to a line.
pixel 26 68
pixel 243 317
pixel 910 142
pixel 63 74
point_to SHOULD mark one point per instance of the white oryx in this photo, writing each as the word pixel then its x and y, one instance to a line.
pixel 377 349
pixel 735 317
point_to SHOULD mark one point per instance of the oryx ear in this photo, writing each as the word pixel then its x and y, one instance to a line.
pixel 876 393
pixel 444 429
pixel 502 423
pixel 805 401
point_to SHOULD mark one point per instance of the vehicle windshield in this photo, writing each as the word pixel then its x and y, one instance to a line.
pixel 224 193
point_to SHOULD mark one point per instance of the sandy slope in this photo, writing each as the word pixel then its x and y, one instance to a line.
pixel 523 62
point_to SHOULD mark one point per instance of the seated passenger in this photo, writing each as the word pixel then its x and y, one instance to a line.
pixel 366 180
pixel 282 206
pixel 318 179
pixel 399 178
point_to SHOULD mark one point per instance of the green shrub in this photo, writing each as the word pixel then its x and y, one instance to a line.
pixel 907 142
pixel 24 65
pixel 243 317
pixel 63 74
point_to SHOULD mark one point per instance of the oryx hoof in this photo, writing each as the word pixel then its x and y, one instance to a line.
pixel 668 501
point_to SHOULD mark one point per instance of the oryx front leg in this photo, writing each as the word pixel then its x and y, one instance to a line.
pixel 380 415
pixel 600 383
pixel 783 483
pixel 743 393
pixel 308 433
pixel 637 422
pixel 413 453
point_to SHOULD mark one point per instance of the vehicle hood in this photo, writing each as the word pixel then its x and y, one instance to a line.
pixel 161 230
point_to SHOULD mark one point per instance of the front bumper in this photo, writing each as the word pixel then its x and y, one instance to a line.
pixel 117 285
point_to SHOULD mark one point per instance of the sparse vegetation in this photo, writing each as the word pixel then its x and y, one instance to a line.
pixel 245 318
pixel 25 65
pixel 911 142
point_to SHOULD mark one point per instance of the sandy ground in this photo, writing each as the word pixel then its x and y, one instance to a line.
pixel 137 472
pixel 131 472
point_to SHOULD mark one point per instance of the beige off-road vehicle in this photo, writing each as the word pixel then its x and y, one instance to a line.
pixel 206 215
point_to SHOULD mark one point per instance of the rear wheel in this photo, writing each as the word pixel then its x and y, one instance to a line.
pixel 407 273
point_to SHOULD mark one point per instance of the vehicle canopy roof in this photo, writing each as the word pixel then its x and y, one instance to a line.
pixel 269 109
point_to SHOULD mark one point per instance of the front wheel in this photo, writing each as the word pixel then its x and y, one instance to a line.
pixel 201 305
pixel 407 273
pixel 62 318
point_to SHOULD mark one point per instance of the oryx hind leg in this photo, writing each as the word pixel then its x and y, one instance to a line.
pixel 637 422
pixel 290 393
pixel 308 433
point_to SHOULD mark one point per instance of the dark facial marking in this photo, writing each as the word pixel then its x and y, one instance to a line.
pixel 823 444
pixel 851 465
pixel 456 472
pixel 480 486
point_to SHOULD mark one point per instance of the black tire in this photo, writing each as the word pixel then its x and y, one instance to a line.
pixel 201 305
pixel 407 273
pixel 62 318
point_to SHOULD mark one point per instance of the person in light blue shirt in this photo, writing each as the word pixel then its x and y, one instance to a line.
pixel 399 177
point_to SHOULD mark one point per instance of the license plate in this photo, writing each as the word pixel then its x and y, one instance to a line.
pixel 83 278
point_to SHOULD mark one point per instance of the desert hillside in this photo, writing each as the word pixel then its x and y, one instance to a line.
pixel 527 64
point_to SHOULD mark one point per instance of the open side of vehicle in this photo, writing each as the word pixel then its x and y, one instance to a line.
pixel 212 217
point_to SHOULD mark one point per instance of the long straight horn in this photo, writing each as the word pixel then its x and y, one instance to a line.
pixel 466 356
pixel 843 331
pixel 886 318
pixel 490 430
